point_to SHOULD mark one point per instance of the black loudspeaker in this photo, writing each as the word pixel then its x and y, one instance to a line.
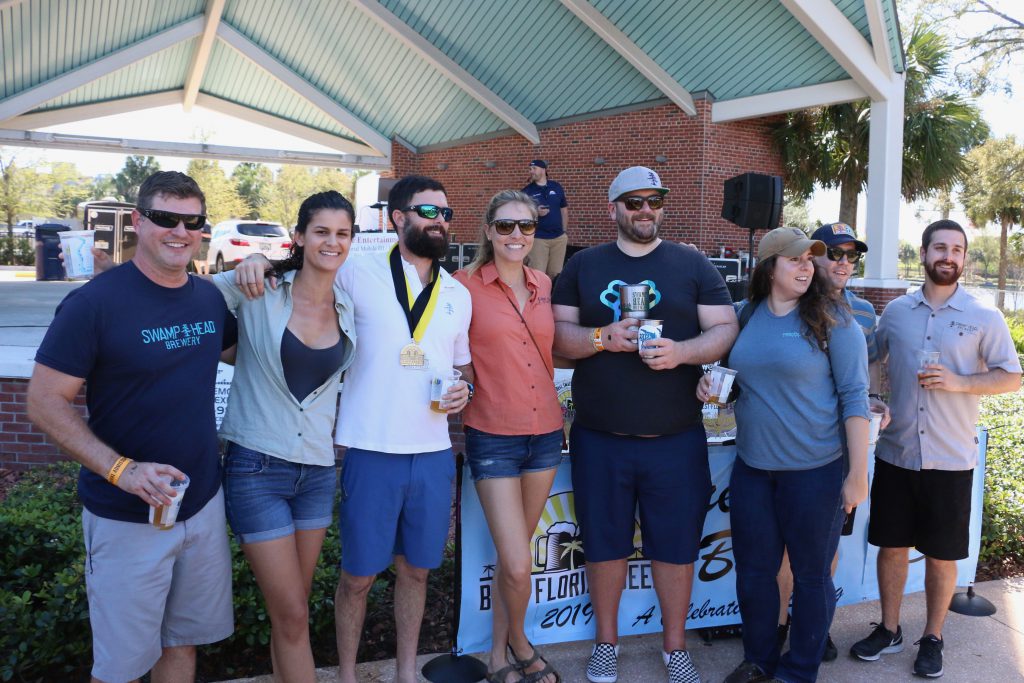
pixel 753 201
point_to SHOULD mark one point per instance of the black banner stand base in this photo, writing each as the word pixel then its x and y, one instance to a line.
pixel 453 668
pixel 971 605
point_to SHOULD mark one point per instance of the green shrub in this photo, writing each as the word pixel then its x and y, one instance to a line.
pixel 1002 526
pixel 44 616
pixel 19 251
pixel 1015 321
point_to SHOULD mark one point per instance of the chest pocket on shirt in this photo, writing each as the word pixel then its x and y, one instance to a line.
pixel 959 346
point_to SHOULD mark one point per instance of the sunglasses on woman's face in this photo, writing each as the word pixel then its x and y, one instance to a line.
pixel 431 211
pixel 170 219
pixel 837 254
pixel 635 203
pixel 505 226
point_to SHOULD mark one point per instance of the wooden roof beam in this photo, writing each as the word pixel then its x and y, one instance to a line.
pixel 282 72
pixel 28 100
pixel 830 27
pixel 201 55
pixel 449 67
pixel 629 51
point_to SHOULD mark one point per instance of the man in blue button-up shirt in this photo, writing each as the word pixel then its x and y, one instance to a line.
pixel 921 493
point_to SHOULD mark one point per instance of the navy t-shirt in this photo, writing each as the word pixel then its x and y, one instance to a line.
pixel 553 196
pixel 615 391
pixel 149 357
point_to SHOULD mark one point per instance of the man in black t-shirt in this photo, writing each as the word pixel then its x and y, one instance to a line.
pixel 637 437
pixel 145 340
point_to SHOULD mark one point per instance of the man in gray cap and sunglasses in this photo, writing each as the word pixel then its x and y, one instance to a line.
pixel 638 436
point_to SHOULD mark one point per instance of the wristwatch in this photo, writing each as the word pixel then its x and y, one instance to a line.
pixel 877 397
pixel 472 391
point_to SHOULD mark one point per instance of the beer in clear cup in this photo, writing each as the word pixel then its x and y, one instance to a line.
pixel 721 384
pixel 76 245
pixel 924 359
pixel 164 516
pixel 649 330
pixel 440 384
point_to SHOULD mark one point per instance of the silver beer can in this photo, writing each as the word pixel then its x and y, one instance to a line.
pixel 634 301
pixel 649 330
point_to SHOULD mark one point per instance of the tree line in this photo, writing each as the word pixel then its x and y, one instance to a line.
pixel 252 190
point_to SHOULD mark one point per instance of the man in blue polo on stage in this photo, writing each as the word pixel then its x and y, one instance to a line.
pixel 548 253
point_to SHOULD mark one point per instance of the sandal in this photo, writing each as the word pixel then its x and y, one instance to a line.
pixel 501 675
pixel 533 676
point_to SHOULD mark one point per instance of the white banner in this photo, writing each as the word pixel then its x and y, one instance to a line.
pixel 560 608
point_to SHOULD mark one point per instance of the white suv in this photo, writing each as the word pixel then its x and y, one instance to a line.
pixel 231 241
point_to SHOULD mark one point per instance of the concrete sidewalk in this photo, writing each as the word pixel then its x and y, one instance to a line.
pixel 977 648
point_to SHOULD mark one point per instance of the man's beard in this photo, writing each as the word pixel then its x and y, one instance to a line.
pixel 628 230
pixel 421 244
pixel 943 279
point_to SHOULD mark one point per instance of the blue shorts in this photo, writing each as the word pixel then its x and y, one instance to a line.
pixel 394 504
pixel 666 476
pixel 491 456
pixel 267 497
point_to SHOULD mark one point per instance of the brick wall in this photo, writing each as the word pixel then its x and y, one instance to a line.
pixel 878 296
pixel 22 445
pixel 700 156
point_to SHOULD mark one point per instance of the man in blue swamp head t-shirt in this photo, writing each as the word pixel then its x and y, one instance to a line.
pixel 145 340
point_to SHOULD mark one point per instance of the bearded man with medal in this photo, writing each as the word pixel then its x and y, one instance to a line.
pixel 412 319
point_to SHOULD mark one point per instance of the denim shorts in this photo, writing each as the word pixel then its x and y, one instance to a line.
pixel 491 456
pixel 267 497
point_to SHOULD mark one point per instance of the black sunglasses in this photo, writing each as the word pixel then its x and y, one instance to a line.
pixel 169 219
pixel 430 211
pixel 837 254
pixel 505 226
pixel 635 203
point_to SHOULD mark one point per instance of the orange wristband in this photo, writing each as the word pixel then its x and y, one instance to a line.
pixel 595 339
pixel 118 468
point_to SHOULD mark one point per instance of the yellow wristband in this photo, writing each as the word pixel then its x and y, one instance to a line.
pixel 595 339
pixel 119 466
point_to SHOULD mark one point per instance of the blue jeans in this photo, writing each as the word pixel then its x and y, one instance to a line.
pixel 267 498
pixel 800 510
pixel 493 456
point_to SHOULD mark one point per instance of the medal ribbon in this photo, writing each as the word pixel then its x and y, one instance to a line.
pixel 422 310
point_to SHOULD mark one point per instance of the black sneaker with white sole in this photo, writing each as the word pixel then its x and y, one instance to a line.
pixel 680 667
pixel 882 641
pixel 929 657
pixel 603 666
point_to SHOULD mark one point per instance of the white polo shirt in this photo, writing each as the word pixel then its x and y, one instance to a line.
pixel 384 406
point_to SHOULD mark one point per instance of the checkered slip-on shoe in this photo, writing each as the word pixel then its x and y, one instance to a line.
pixel 603 666
pixel 680 667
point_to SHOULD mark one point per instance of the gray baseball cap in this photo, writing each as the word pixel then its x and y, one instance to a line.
pixel 635 178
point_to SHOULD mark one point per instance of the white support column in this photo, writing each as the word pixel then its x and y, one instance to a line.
pixel 885 171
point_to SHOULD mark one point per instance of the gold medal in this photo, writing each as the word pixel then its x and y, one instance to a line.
pixel 412 356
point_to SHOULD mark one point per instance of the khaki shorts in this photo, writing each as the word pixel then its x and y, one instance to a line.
pixel 150 589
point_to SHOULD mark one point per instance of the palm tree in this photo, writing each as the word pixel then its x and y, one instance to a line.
pixel 829 145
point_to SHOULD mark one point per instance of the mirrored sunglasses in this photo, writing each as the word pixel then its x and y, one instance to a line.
pixel 634 203
pixel 169 219
pixel 431 211
pixel 505 226
pixel 837 254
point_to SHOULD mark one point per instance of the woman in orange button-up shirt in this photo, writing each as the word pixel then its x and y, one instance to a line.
pixel 514 424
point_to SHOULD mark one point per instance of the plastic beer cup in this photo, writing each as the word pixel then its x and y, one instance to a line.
pixel 76 245
pixel 924 359
pixel 721 385
pixel 440 384
pixel 164 516
pixel 875 426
